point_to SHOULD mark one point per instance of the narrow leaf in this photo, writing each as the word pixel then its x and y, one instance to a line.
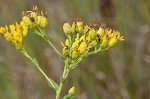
pixel 52 84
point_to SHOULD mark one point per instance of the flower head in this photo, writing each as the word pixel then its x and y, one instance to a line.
pixel 66 48
pixel 35 19
pixel 15 33
pixel 67 28
pixel 86 39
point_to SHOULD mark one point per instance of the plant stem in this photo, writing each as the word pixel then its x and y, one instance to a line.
pixel 43 35
pixel 93 52
pixel 96 51
pixel 63 80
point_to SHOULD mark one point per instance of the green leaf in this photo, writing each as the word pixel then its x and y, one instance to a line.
pixel 52 84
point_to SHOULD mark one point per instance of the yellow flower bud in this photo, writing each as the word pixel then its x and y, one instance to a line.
pixel 101 32
pixel 65 51
pixel 72 90
pixel 112 42
pixel 2 29
pixel 104 44
pixel 42 22
pixel 73 29
pixel 26 20
pixel 82 47
pixel 18 43
pixel 67 42
pixel 24 29
pixel 67 28
pixel 33 25
pixel 92 34
pixel 79 26
pixel 66 48
pixel 8 36
pixel 75 44
pixel 75 54
pixel 12 28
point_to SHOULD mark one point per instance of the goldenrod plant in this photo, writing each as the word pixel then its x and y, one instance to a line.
pixel 82 41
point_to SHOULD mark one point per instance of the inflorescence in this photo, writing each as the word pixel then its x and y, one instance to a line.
pixel 35 19
pixel 15 33
pixel 85 40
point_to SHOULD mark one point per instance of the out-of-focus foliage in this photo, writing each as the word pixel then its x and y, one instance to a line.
pixel 120 73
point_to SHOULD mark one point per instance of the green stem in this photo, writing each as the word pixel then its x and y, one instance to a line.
pixel 94 52
pixel 43 35
pixel 63 80
pixel 51 44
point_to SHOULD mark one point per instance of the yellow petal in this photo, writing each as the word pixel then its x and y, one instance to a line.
pixel 67 42
pixel 12 28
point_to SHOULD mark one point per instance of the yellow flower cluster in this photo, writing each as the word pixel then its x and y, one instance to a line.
pixel 35 19
pixel 15 33
pixel 85 39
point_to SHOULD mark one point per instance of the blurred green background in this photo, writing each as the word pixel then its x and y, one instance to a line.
pixel 122 72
